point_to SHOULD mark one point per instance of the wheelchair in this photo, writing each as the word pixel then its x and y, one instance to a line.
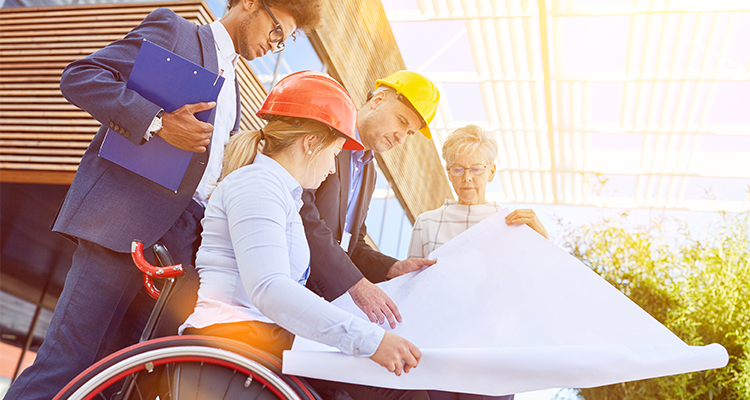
pixel 182 367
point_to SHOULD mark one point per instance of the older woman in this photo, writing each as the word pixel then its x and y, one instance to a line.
pixel 470 161
pixel 469 156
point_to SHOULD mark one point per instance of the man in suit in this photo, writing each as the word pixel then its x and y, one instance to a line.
pixel 108 206
pixel 334 214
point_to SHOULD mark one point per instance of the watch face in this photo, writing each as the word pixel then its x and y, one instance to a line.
pixel 155 125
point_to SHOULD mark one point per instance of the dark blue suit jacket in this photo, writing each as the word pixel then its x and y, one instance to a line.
pixel 332 270
pixel 107 204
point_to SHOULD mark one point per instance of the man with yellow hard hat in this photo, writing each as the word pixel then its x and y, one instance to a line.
pixel 334 215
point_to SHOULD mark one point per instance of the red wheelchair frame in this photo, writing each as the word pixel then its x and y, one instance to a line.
pixel 183 367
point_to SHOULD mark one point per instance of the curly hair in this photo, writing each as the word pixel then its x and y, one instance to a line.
pixel 306 13
pixel 469 139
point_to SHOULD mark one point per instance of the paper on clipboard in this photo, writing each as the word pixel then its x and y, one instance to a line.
pixel 169 81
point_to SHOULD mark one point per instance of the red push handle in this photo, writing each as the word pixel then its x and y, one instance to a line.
pixel 150 271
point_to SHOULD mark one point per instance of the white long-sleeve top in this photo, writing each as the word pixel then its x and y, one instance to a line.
pixel 254 261
pixel 434 228
pixel 226 111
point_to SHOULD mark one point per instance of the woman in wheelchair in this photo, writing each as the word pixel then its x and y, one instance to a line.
pixel 254 258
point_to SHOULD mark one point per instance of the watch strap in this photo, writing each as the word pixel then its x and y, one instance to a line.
pixel 155 126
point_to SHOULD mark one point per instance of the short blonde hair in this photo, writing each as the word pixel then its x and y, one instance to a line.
pixel 244 146
pixel 466 140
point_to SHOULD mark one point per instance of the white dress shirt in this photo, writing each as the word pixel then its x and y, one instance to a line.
pixel 226 111
pixel 434 228
pixel 254 261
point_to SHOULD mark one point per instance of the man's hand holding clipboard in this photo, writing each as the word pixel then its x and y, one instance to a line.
pixel 187 93
pixel 182 130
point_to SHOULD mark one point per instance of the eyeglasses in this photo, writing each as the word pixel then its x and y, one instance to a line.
pixel 460 171
pixel 276 36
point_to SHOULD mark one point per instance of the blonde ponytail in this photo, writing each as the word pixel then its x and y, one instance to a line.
pixel 240 151
pixel 274 138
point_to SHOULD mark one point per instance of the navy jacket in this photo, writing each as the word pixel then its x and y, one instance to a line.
pixel 332 270
pixel 107 204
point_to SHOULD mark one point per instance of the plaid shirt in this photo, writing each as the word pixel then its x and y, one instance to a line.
pixel 434 228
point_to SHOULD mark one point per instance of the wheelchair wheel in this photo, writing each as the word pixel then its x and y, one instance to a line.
pixel 188 367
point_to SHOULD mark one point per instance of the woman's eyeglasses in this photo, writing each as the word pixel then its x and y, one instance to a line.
pixel 460 171
pixel 276 36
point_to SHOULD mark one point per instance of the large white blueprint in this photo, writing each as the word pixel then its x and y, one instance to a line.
pixel 506 311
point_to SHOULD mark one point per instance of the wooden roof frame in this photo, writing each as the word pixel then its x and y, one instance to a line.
pixel 43 137
pixel 356 44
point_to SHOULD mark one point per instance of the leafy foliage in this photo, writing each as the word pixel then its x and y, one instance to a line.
pixel 699 289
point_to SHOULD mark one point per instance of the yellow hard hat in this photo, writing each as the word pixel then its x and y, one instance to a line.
pixel 421 93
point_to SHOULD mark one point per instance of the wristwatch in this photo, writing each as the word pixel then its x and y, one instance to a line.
pixel 155 126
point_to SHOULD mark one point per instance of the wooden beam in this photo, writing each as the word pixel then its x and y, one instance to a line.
pixel 42 136
pixel 544 35
pixel 43 177
pixel 357 47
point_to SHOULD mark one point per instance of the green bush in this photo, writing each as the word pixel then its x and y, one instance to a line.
pixel 699 289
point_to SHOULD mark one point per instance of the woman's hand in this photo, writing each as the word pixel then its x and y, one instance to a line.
pixel 528 217
pixel 396 354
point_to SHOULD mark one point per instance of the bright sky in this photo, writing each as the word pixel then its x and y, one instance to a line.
pixel 651 94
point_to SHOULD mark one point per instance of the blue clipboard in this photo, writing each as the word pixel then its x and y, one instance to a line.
pixel 169 81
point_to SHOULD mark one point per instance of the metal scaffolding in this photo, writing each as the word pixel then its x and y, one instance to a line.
pixel 553 148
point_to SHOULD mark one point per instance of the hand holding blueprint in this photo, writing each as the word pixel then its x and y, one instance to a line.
pixel 506 311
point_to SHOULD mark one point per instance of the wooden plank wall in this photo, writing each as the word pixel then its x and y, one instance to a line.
pixel 42 136
pixel 357 46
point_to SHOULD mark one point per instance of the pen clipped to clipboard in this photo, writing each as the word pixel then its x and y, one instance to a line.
pixel 169 81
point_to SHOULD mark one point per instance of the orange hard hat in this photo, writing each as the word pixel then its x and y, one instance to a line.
pixel 316 96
